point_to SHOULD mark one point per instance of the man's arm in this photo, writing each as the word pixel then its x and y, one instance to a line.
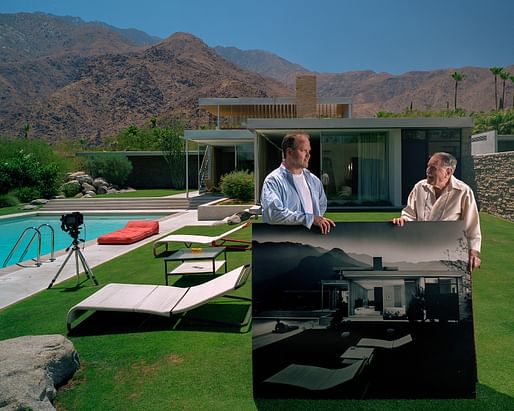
pixel 471 220
pixel 409 212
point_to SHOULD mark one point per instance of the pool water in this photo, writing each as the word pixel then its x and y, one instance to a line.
pixel 94 226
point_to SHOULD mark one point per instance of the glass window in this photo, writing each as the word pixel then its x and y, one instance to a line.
pixel 354 168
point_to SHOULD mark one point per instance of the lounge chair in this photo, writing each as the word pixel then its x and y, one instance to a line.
pixel 161 300
pixel 213 241
pixel 315 378
pixel 376 343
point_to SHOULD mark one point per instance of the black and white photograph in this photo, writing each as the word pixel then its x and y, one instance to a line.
pixel 368 311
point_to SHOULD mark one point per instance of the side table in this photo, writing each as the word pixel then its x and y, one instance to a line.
pixel 196 261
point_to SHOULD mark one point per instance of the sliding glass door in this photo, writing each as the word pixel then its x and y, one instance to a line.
pixel 354 168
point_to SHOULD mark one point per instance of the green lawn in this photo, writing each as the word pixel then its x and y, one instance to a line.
pixel 197 367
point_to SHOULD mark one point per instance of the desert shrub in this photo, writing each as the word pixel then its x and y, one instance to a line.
pixel 8 200
pixel 238 185
pixel 27 163
pixel 70 189
pixel 25 194
pixel 113 168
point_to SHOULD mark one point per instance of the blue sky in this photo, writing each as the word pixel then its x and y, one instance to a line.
pixel 394 36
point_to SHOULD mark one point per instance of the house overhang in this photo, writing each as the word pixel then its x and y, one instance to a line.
pixel 315 125
pixel 399 274
pixel 220 138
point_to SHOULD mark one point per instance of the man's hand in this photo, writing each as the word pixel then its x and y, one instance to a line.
pixel 399 221
pixel 323 223
pixel 473 260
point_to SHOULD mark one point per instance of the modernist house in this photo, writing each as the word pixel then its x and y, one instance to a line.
pixel 369 161
pixel 391 294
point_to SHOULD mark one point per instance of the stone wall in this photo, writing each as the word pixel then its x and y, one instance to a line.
pixel 494 176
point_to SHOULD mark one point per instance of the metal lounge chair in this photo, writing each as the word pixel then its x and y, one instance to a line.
pixel 161 300
pixel 221 240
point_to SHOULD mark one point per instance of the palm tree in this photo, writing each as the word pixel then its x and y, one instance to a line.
pixel 457 77
pixel 496 71
pixel 511 78
pixel 504 75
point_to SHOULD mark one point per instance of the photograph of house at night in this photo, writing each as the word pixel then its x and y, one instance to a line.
pixel 363 312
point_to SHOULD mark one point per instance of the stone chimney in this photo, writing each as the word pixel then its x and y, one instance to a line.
pixel 377 264
pixel 306 95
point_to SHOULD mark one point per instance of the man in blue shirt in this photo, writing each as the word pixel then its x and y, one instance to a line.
pixel 291 194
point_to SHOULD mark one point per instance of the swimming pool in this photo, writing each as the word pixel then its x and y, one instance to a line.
pixel 94 226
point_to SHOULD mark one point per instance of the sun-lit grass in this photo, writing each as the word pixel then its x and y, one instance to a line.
pixel 198 367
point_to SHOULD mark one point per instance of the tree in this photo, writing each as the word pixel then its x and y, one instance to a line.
pixel 511 77
pixel 496 71
pixel 504 75
pixel 172 146
pixel 26 130
pixel 457 77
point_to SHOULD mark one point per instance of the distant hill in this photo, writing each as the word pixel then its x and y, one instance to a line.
pixel 372 92
pixel 263 62
pixel 96 91
pixel 28 36
pixel 71 79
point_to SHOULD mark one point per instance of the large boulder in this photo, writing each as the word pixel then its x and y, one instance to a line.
pixel 31 369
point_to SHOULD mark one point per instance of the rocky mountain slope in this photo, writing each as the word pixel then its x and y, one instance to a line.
pixel 95 94
pixel 372 92
pixel 70 79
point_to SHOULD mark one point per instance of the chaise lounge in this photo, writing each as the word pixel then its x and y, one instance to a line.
pixel 213 241
pixel 160 299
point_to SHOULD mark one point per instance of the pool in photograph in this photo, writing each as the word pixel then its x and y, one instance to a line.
pixel 94 226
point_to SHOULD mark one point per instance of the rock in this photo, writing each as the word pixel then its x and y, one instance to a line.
pixel 101 190
pixel 39 201
pixel 85 178
pixel 74 176
pixel 88 187
pixel 32 368
pixel 29 207
pixel 79 195
pixel 98 182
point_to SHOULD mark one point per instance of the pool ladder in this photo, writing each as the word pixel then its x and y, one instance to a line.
pixel 36 232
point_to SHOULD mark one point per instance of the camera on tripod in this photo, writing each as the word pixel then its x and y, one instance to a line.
pixel 71 223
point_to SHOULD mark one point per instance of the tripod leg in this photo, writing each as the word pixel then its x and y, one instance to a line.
pixel 60 269
pixel 87 270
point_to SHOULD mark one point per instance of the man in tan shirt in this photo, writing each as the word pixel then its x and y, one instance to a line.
pixel 442 197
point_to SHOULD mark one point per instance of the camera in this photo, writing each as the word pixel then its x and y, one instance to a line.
pixel 71 223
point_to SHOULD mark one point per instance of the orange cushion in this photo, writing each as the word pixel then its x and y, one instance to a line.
pixel 134 231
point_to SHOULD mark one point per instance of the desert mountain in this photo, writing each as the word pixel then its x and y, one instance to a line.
pixel 92 95
pixel 373 92
pixel 28 36
pixel 70 79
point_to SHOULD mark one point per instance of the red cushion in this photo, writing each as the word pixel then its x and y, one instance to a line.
pixel 134 231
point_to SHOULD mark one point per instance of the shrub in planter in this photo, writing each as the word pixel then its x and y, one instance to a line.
pixel 238 185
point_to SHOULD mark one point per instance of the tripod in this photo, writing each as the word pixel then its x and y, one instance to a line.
pixel 75 249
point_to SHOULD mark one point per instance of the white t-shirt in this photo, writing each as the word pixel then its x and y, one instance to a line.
pixel 305 193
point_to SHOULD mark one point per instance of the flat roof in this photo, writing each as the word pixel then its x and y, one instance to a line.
pixel 266 125
pixel 220 137
pixel 243 101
